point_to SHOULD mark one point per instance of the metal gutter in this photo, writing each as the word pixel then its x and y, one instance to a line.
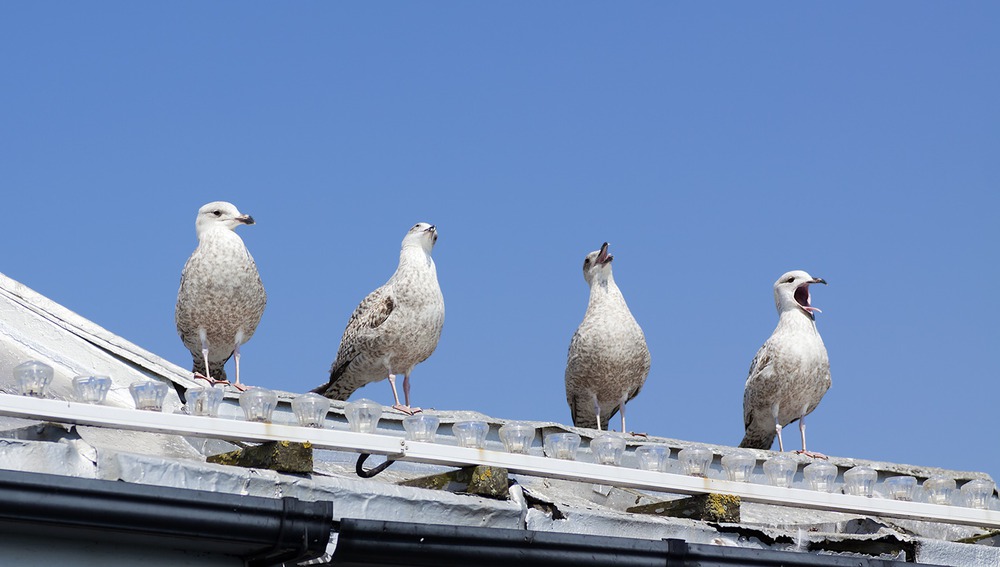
pixel 369 543
pixel 261 531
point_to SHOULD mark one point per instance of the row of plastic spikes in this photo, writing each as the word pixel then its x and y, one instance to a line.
pixel 258 405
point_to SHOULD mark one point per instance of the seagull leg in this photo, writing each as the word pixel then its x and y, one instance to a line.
pixel 395 396
pixel 621 408
pixel 236 355
pixel 392 384
pixel 802 431
pixel 204 353
pixel 597 412
pixel 777 427
pixel 406 394
pixel 212 381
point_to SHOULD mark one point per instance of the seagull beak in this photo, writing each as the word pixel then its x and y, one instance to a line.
pixel 246 219
pixel 818 280
pixel 603 257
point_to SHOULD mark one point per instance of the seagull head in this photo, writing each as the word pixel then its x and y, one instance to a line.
pixel 597 265
pixel 220 214
pixel 423 235
pixel 791 291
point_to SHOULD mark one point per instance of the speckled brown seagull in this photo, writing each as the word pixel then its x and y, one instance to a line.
pixel 608 359
pixel 791 372
pixel 395 328
pixel 221 297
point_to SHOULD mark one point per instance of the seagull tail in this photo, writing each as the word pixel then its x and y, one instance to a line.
pixel 331 391
pixel 335 388
pixel 583 415
pixel 584 421
pixel 758 440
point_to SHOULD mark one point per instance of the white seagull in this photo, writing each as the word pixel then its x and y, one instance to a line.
pixel 395 328
pixel 608 358
pixel 791 372
pixel 221 297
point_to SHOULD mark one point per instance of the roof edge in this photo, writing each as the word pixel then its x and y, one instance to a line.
pixel 370 543
pixel 261 531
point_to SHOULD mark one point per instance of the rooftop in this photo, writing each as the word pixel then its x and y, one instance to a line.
pixel 167 451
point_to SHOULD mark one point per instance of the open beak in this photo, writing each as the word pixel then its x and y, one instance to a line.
pixel 804 299
pixel 603 257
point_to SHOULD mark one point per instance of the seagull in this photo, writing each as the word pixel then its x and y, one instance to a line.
pixel 608 358
pixel 395 328
pixel 221 297
pixel 791 372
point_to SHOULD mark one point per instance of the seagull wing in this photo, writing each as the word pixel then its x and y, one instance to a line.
pixel 370 314
pixel 760 364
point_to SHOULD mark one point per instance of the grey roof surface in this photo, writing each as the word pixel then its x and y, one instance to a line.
pixel 32 327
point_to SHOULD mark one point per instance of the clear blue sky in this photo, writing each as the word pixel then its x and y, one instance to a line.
pixel 715 146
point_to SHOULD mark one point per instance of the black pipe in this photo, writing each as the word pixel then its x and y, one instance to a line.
pixel 261 531
pixel 359 467
pixel 370 543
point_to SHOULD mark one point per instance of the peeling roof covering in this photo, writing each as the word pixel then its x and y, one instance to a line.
pixel 32 327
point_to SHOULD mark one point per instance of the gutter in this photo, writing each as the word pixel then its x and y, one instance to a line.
pixel 261 531
pixel 369 543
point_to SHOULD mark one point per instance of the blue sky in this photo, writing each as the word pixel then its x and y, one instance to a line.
pixel 714 146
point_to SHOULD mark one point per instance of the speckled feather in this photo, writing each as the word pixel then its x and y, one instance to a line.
pixel 791 370
pixel 608 357
pixel 220 291
pixel 395 327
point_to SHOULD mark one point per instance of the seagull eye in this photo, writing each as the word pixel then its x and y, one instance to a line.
pixel 217 213
pixel 790 280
